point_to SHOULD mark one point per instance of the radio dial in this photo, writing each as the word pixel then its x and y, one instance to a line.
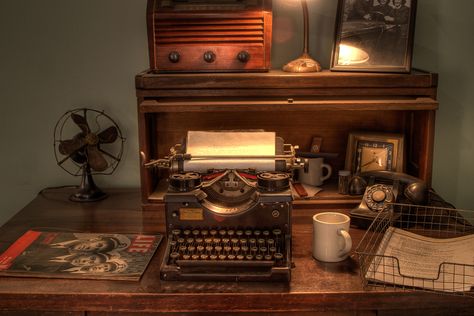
pixel 174 57
pixel 209 57
pixel 243 56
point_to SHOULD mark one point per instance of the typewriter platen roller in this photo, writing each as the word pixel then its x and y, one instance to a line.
pixel 226 223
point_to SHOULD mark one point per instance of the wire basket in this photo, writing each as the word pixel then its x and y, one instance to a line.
pixel 426 234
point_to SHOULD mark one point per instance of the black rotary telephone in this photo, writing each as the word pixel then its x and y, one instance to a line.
pixel 385 187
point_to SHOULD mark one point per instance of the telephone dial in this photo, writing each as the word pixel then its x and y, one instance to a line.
pixel 384 187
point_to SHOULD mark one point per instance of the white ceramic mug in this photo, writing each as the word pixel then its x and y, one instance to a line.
pixel 331 239
pixel 314 174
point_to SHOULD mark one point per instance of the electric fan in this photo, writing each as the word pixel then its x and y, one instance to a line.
pixel 87 142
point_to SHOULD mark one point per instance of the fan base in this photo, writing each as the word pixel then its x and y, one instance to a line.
pixel 88 196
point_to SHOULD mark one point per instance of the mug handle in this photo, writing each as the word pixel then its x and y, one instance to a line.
pixel 347 242
pixel 329 170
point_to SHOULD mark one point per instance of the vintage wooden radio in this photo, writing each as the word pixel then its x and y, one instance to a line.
pixel 209 36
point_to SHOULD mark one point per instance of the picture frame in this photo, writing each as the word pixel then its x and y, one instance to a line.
pixel 374 36
pixel 375 151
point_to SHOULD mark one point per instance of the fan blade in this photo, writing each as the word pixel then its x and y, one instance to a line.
pixel 95 158
pixel 70 146
pixel 109 135
pixel 81 122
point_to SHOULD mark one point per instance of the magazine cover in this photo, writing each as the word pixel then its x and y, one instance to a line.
pixel 79 255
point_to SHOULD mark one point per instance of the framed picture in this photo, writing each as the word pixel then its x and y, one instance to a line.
pixel 374 151
pixel 374 35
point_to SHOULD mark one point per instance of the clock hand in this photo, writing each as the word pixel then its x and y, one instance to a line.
pixel 370 162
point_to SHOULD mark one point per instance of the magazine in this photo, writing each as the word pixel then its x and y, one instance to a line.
pixel 79 255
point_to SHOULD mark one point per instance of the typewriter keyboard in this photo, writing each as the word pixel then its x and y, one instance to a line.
pixel 227 246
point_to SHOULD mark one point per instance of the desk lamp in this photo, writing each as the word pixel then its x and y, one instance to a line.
pixel 304 63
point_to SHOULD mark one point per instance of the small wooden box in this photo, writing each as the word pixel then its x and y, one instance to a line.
pixel 209 36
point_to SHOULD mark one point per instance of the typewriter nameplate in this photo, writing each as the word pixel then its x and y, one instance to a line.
pixel 191 214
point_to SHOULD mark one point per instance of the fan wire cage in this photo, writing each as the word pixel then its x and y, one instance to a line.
pixel 379 270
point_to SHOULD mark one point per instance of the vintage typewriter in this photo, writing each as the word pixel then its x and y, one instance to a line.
pixel 228 207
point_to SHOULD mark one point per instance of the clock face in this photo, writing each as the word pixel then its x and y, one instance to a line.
pixel 374 156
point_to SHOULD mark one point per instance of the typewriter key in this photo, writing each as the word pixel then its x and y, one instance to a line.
pixel 259 257
pixel 218 248
pixel 240 257
pixel 190 240
pixel 195 257
pixel 257 233
pixel 181 240
pixel 191 249
pixel 231 257
pixel 209 248
pixel 261 241
pixel 248 233
pixel 243 241
pixel 263 249
pixel 249 257
pixel 230 233
pixel 208 240
pixel 199 240
pixel 222 232
pixel 253 250
pixel 278 257
pixel 186 257
pixel 266 233
pixel 213 257
pixel 195 232
pixel 216 240
pixel 222 257
pixel 239 233
pixel 204 233
pixel 213 232
pixel 272 249
pixel 234 241
pixel 268 257
pixel 227 248
pixel 176 232
pixel 236 248
pixel 204 257
pixel 200 248
pixel 245 249
pixel 270 242
pixel 182 248
pixel 277 232
pixel 174 256
pixel 187 232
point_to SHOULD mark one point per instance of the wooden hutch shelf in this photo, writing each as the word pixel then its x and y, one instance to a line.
pixel 295 106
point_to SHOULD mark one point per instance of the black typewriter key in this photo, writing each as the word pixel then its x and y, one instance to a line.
pixel 186 257
pixel 268 257
pixel 266 233
pixel 277 232
pixel 204 256
pixel 270 242
pixel 240 257
pixel 174 256
pixel 249 257
pixel 213 257
pixel 278 257
pixel 243 241
pixel 261 241
pixel 176 232
pixel 257 233
pixel 222 257
pixel 258 257
pixel 213 232
pixel 253 250
pixel 195 257
pixel 252 241
pixel 187 232
pixel 263 249
pixel 272 249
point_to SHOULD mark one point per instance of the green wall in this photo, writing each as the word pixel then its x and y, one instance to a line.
pixel 60 54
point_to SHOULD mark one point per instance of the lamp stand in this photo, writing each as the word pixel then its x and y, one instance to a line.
pixel 304 63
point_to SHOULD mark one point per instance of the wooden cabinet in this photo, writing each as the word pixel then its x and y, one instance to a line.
pixel 296 106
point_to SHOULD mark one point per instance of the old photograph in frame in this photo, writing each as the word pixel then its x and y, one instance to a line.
pixel 374 36
pixel 374 151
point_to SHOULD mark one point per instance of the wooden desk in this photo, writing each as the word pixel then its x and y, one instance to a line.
pixel 315 287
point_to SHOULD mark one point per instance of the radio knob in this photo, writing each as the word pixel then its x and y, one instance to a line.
pixel 243 56
pixel 209 57
pixel 174 57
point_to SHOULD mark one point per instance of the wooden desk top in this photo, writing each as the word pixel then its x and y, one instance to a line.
pixel 314 286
